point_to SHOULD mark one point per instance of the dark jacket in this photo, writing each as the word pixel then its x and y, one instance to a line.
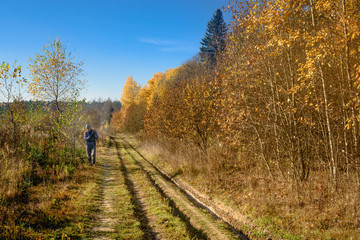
pixel 91 136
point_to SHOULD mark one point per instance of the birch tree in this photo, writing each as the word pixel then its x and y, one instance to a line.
pixel 56 75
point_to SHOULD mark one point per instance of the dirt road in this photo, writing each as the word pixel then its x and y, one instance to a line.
pixel 139 202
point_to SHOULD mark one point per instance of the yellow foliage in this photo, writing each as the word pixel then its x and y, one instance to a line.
pixel 55 74
pixel 130 91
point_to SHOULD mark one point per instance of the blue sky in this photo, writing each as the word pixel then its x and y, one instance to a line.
pixel 115 39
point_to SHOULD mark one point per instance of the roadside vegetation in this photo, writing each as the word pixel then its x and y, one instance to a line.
pixel 45 189
pixel 266 117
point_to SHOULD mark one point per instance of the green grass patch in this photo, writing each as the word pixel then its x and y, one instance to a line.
pixel 121 212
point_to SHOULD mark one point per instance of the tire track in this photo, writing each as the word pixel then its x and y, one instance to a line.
pixel 175 210
pixel 165 185
pixel 196 233
pixel 139 211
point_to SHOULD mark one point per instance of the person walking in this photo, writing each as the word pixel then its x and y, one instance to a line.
pixel 90 137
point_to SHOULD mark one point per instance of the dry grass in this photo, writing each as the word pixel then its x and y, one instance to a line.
pixel 288 209
pixel 47 209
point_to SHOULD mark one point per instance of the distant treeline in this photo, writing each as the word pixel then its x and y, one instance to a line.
pixel 99 110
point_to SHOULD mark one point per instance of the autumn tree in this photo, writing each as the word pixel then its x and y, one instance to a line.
pixel 117 120
pixel 154 91
pixel 181 108
pixel 288 83
pixel 130 91
pixel 134 115
pixel 214 41
pixel 130 117
pixel 56 75
pixel 158 110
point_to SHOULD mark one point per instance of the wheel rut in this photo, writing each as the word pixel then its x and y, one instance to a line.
pixel 197 221
pixel 134 191
pixel 192 231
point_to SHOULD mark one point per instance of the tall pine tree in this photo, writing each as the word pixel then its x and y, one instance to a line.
pixel 214 40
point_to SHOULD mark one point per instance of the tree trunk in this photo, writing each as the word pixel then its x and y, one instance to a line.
pixel 329 129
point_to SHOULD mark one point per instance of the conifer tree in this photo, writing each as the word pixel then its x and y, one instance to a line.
pixel 214 40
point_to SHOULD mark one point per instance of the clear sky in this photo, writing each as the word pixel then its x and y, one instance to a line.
pixel 114 38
